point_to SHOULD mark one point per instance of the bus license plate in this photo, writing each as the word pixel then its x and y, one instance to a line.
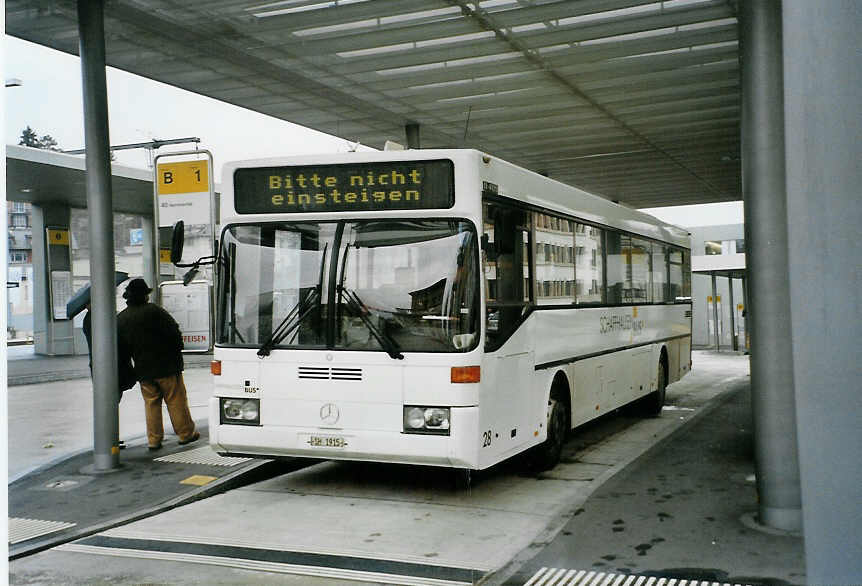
pixel 327 441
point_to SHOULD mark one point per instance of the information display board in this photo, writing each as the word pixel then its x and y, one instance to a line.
pixel 390 185
pixel 61 293
pixel 184 190
pixel 59 257
pixel 190 306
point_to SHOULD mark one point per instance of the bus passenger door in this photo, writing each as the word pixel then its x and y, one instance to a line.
pixel 507 266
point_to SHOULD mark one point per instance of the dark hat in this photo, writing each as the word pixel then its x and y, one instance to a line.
pixel 136 288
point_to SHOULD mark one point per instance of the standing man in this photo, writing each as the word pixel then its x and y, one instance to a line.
pixel 152 337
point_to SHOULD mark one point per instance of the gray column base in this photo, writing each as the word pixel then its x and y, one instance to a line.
pixel 783 519
pixel 105 463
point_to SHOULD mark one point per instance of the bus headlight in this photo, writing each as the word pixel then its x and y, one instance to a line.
pixel 428 420
pixel 240 411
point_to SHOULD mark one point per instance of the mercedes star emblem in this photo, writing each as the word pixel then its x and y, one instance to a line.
pixel 329 413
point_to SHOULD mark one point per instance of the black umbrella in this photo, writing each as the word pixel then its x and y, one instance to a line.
pixel 81 298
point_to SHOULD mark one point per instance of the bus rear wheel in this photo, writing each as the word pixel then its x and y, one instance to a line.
pixel 652 404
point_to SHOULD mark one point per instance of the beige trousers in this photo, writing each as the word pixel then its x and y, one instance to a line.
pixel 173 390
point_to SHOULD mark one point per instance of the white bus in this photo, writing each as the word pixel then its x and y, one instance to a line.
pixel 434 307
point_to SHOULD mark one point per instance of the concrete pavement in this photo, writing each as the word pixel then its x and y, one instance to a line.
pixel 53 419
pixel 686 510
pixel 682 509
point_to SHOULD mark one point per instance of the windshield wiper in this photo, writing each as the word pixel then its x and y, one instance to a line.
pixel 385 341
pixel 296 314
pixel 291 321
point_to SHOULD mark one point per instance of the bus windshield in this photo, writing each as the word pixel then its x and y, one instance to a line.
pixel 391 285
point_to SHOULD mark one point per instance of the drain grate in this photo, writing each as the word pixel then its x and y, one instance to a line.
pixel 204 455
pixel 21 529
pixel 563 577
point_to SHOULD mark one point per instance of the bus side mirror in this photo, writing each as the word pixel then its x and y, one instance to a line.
pixel 178 236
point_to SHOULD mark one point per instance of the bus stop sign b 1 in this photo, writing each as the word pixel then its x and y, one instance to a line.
pixel 184 192
pixel 183 177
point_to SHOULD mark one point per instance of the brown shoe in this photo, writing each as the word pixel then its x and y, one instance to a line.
pixel 155 448
pixel 195 437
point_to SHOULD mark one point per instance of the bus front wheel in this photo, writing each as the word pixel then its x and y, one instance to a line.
pixel 547 454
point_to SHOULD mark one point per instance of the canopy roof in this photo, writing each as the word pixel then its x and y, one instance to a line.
pixel 635 100
pixel 43 177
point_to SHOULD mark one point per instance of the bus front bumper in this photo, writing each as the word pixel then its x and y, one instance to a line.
pixel 457 450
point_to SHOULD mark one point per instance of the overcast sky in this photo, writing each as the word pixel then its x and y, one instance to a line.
pixel 49 101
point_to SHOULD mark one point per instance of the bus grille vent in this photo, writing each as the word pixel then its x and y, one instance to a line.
pixel 326 373
pixel 346 374
pixel 321 372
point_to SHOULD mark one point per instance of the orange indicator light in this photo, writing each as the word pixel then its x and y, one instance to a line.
pixel 215 367
pixel 465 374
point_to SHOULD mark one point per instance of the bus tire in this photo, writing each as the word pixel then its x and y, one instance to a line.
pixel 547 454
pixel 654 402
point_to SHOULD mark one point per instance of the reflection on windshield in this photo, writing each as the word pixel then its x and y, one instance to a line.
pixel 400 285
pixel 294 318
pixel 361 311
pixel 267 270
pixel 417 280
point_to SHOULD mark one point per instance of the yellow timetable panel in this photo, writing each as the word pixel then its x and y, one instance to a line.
pixel 56 236
pixel 183 177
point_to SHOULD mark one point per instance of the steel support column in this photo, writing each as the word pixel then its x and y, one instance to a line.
pixel 102 290
pixel 768 312
pixel 734 345
pixel 822 91
pixel 745 314
pixel 715 323
pixel 148 247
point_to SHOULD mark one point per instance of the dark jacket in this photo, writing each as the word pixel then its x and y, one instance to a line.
pixel 152 337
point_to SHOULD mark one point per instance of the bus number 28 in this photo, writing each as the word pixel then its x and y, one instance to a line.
pixel 486 439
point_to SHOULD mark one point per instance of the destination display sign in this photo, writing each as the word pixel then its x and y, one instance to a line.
pixel 390 185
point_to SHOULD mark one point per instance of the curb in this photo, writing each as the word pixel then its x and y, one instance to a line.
pixel 53 377
pixel 252 472
pixel 202 423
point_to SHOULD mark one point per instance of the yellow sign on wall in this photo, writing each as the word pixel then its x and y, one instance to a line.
pixel 56 236
pixel 183 177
